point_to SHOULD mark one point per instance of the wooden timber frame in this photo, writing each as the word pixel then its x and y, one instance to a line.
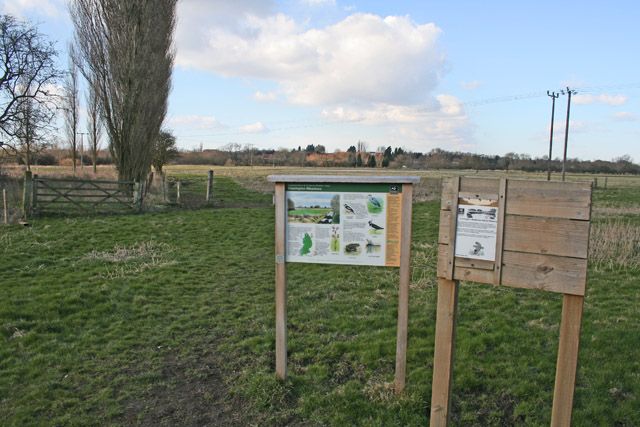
pixel 280 201
pixel 542 242
pixel 62 194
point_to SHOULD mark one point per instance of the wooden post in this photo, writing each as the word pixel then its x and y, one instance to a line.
pixel 209 186
pixel 178 191
pixel 34 194
pixel 27 195
pixel 444 351
pixel 165 193
pixel 605 182
pixel 137 195
pixel 567 360
pixel 281 283
pixel 595 182
pixel 403 291
pixel 4 204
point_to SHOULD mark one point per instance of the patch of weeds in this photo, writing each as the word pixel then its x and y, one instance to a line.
pixel 123 261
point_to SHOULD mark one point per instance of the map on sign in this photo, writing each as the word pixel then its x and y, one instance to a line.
pixel 477 229
pixel 344 223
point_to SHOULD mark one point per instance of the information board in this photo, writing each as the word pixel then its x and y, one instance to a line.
pixel 344 223
pixel 356 220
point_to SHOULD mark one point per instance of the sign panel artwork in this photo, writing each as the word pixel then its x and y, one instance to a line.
pixel 344 223
pixel 477 229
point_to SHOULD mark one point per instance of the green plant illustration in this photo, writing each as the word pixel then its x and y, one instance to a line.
pixel 306 244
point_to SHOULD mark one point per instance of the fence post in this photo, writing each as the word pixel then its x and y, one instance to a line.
pixel 4 203
pixel 605 182
pixel 27 195
pixel 209 186
pixel 165 193
pixel 595 182
pixel 138 189
pixel 34 193
pixel 178 192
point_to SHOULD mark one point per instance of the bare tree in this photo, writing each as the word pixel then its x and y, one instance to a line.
pixel 126 46
pixel 27 71
pixel 94 125
pixel 71 105
pixel 33 130
pixel 164 150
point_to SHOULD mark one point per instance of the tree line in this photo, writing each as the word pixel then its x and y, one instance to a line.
pixel 390 157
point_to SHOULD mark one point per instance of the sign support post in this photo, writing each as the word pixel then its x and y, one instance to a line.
pixel 343 220
pixel 281 283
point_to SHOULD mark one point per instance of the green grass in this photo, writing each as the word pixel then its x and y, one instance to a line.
pixel 168 319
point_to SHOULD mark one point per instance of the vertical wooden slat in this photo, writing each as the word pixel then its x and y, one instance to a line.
pixel 444 351
pixel 567 360
pixel 502 200
pixel 281 282
pixel 403 292
pixel 452 228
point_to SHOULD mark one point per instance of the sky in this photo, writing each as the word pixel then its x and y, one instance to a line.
pixel 457 75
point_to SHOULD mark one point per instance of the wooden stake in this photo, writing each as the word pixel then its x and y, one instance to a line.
pixel 178 192
pixel 444 350
pixel 209 186
pixel 281 282
pixel 4 204
pixel 403 291
pixel 567 360
pixel 27 195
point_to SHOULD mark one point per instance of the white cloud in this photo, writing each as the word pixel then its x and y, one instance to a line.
pixel 626 116
pixel 21 8
pixel 265 96
pixel 196 122
pixel 257 127
pixel 319 2
pixel 472 85
pixel 362 59
pixel 586 99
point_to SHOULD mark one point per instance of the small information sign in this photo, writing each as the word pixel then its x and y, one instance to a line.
pixel 477 229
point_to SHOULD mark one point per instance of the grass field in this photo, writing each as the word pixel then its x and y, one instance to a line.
pixel 167 318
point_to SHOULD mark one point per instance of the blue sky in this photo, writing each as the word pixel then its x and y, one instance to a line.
pixel 458 75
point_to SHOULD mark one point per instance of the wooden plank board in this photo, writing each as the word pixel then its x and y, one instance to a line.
pixel 444 352
pixel 461 272
pixel 356 179
pixel 403 292
pixel 549 199
pixel 444 236
pixel 567 364
pixel 452 229
pixel 281 283
pixel 552 236
pixel 544 272
pixel 502 200
pixel 479 186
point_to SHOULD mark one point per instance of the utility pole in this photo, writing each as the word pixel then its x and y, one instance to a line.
pixel 553 96
pixel 569 92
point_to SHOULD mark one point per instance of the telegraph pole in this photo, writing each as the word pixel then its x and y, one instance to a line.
pixel 569 92
pixel 553 96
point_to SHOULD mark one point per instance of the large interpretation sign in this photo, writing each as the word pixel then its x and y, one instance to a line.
pixel 355 220
pixel 344 223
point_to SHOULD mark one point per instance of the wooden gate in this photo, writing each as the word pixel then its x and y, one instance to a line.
pixel 82 196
